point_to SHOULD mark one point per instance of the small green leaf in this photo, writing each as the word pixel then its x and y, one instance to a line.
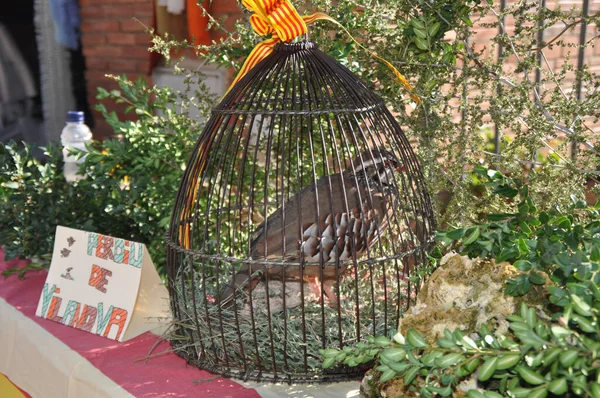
pixel 508 361
pixel 487 369
pixel 492 394
pixel 382 368
pixel 429 358
pixel 595 253
pixel 472 364
pixel 558 386
pixel 469 343
pixel 475 394
pixel 498 217
pixel 514 318
pixel 595 389
pixel 562 222
pixel 523 208
pixel 382 341
pixel 417 23
pixel 519 392
pixel 410 375
pixel 531 317
pixel 393 354
pixel 421 43
pixel 525 228
pixel 539 392
pixel 522 265
pixel 530 376
pixel 472 236
pixel 536 278
pixel 448 335
pixel 422 33
pixel 398 366
pixel 433 29
pixel 522 246
pixel 507 191
pixel 455 234
pixel 584 324
pixel 441 391
pixel 594 289
pixel 328 362
pixel 449 360
pixel 557 291
pixel 387 375
pixel 399 338
pixel 580 306
pixel 560 332
pixel 568 357
pixel 445 343
pixel 330 352
pixel 519 327
pixel 524 310
pixel 341 356
pixel 415 339
pixel 531 338
pixel 550 355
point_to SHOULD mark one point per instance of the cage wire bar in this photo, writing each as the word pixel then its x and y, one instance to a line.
pixel 300 217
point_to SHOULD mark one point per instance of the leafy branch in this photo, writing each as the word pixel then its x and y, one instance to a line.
pixel 541 358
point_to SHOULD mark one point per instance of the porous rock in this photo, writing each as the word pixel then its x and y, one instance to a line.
pixel 461 294
pixel 465 294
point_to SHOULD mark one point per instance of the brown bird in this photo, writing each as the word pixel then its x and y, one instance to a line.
pixel 354 208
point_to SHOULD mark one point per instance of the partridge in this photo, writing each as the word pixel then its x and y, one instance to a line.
pixel 354 209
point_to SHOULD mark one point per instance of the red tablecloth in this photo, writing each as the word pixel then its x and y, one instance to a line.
pixel 160 376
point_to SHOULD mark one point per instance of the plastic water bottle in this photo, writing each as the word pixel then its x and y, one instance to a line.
pixel 75 135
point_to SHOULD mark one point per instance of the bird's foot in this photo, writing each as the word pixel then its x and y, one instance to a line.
pixel 324 291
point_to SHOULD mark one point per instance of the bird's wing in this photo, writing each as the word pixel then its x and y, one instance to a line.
pixel 279 227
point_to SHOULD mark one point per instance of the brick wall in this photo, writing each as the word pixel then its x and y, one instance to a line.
pixel 114 43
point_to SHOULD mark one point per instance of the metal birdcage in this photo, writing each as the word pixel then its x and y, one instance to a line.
pixel 300 216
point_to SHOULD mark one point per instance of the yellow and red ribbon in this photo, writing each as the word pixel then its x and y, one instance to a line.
pixel 280 19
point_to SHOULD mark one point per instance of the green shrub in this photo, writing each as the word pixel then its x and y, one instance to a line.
pixel 539 357
pixel 563 242
pixel 558 358
pixel 131 179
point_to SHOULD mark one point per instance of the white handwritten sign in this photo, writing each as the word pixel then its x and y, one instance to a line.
pixel 103 285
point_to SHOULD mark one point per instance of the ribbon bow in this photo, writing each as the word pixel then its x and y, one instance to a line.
pixel 277 17
pixel 280 19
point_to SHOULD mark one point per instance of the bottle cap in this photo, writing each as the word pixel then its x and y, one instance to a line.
pixel 75 116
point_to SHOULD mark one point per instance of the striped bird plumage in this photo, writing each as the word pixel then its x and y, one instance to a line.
pixel 338 218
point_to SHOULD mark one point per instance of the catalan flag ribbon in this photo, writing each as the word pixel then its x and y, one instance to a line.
pixel 280 19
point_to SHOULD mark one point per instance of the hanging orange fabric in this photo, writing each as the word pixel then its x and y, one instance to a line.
pixel 197 22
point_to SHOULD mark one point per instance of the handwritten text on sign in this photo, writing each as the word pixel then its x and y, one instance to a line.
pixel 92 283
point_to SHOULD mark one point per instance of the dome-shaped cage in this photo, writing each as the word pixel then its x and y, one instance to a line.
pixel 301 213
